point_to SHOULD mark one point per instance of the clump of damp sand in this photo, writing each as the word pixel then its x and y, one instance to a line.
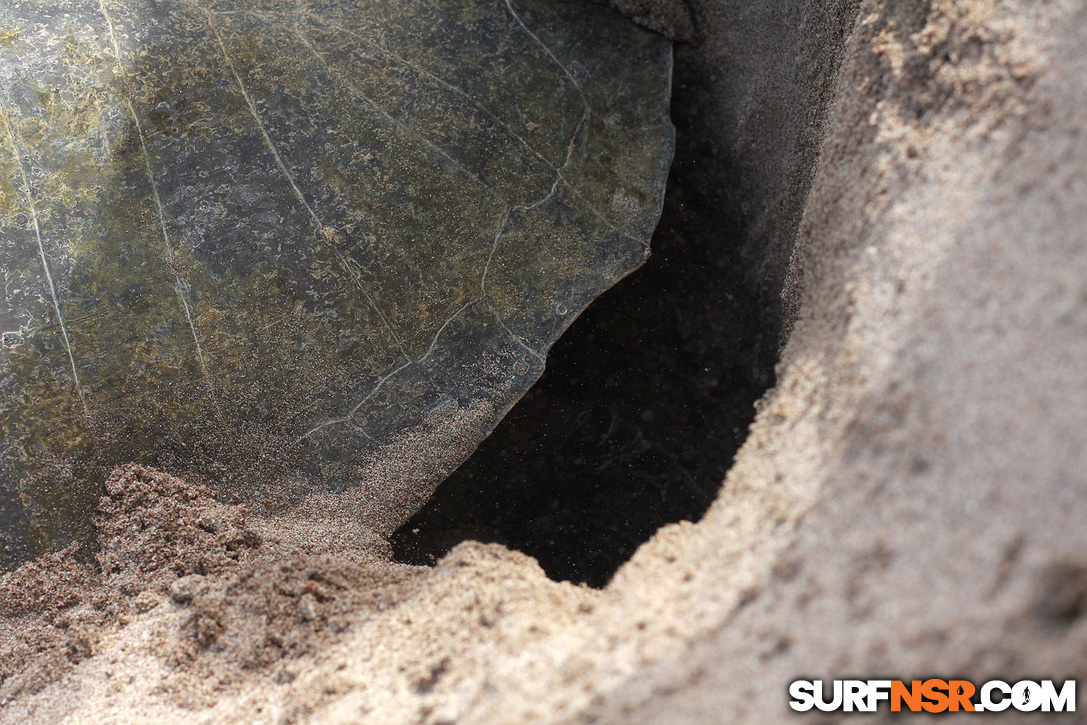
pixel 251 592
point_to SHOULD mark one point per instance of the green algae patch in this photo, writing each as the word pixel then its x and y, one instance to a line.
pixel 281 248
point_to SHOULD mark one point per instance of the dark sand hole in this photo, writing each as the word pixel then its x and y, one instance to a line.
pixel 645 400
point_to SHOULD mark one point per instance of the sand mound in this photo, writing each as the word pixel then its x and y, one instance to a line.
pixel 242 600
pixel 909 502
pixel 153 527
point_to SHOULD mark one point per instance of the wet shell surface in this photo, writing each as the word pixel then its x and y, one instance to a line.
pixel 282 246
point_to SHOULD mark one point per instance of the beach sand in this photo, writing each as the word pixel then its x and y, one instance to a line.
pixel 908 179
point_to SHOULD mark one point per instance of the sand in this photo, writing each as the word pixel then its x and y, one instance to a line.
pixel 243 600
pixel 910 500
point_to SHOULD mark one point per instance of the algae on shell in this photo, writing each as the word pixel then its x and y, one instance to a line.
pixel 277 246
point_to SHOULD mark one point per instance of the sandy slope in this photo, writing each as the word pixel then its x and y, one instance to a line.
pixel 910 501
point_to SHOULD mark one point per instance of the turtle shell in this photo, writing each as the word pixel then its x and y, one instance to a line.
pixel 282 246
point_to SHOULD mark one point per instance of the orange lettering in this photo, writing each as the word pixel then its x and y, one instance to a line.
pixel 961 698
pixel 900 693
pixel 931 691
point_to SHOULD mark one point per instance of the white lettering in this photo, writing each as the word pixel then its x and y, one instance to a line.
pixel 987 701
pixel 802 692
pixel 1065 701
pixel 856 695
pixel 994 696
pixel 833 704
pixel 878 690
pixel 1027 696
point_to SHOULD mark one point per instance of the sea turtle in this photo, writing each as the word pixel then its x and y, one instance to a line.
pixel 277 245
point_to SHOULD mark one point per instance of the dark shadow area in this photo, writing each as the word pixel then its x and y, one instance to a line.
pixel 645 400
